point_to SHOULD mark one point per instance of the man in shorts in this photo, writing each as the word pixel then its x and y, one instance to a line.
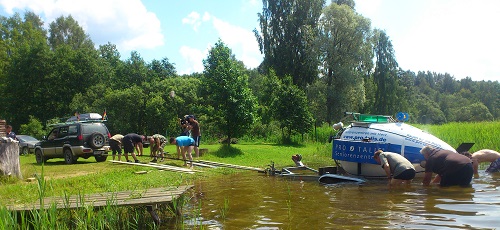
pixel 129 142
pixel 452 168
pixel 484 155
pixel 115 143
pixel 184 145
pixel 157 143
pixel 397 168
pixel 194 126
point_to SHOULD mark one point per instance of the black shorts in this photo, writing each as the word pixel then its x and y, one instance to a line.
pixel 408 174
pixel 128 145
pixel 462 177
pixel 197 141
pixel 115 146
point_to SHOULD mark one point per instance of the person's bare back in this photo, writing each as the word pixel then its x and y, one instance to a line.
pixel 485 155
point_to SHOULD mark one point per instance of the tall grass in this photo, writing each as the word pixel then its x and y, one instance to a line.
pixel 485 135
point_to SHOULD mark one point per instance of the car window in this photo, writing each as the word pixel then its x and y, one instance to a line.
pixel 73 130
pixel 26 138
pixel 90 128
pixel 63 131
pixel 53 134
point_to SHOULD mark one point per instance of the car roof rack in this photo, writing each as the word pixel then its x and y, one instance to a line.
pixel 80 118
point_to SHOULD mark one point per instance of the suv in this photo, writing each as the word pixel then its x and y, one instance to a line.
pixel 74 139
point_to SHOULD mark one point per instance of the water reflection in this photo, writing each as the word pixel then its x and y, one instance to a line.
pixel 255 201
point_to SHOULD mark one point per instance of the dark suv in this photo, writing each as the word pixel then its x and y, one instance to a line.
pixel 71 140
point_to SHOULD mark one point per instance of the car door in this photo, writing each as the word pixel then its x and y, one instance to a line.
pixel 61 140
pixel 49 144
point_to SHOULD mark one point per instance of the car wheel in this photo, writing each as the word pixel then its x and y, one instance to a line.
pixel 97 140
pixel 68 156
pixel 25 150
pixel 39 156
pixel 101 158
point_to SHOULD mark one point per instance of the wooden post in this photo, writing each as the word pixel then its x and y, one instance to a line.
pixel 9 158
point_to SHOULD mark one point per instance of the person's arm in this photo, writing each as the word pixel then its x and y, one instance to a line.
pixel 475 166
pixel 437 179
pixel 387 171
pixel 427 178
pixel 139 145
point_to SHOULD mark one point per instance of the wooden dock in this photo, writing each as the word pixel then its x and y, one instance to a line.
pixel 151 196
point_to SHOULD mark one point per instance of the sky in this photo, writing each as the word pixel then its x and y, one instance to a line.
pixel 458 37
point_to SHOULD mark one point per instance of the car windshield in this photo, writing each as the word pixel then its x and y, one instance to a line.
pixel 89 128
pixel 26 138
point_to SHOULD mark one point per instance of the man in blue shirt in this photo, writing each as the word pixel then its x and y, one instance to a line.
pixel 184 144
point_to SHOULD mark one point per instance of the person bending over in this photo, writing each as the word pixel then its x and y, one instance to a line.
pixel 184 145
pixel 397 168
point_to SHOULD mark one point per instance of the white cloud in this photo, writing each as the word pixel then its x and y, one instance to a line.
pixel 460 42
pixel 128 24
pixel 206 17
pixel 241 41
pixel 194 59
pixel 446 36
pixel 192 19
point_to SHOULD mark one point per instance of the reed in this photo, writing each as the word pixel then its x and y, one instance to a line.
pixel 483 134
pixel 224 209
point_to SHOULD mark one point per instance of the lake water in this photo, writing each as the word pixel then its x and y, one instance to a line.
pixel 257 201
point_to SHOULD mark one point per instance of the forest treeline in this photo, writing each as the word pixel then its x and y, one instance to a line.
pixel 320 60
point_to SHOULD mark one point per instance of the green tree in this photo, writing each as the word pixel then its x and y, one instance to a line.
pixel 385 76
pixel 66 30
pixel 162 69
pixel 26 65
pixel 290 109
pixel 474 112
pixel 288 29
pixel 33 128
pixel 109 64
pixel 346 57
pixel 225 87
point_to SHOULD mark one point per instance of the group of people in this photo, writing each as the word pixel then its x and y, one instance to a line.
pixel 186 142
pixel 451 168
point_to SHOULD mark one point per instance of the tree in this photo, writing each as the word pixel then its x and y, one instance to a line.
pixel 474 112
pixel 346 57
pixel 65 30
pixel 385 76
pixel 27 62
pixel 225 87
pixel 290 108
pixel 33 128
pixel 288 29
pixel 162 69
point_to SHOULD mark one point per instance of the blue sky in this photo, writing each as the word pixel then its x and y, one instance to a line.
pixel 454 36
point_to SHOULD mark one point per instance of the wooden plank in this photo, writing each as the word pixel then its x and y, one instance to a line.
pixel 164 167
pixel 134 197
pixel 229 165
pixel 111 196
pixel 170 166
pixel 194 162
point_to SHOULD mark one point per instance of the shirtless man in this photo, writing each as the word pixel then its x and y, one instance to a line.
pixel 486 155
